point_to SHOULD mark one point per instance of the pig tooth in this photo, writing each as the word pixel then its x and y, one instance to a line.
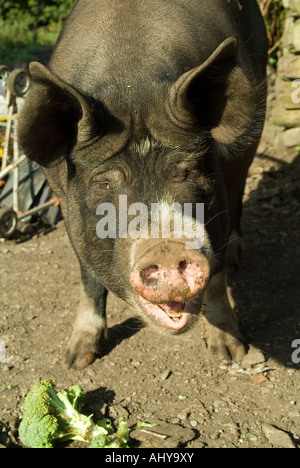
pixel 176 316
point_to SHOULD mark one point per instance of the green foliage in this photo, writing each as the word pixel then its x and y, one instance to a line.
pixel 274 15
pixel 38 426
pixel 111 440
pixel 27 25
pixel 50 417
pixel 37 12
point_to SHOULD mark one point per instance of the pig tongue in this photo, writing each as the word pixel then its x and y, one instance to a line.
pixel 173 309
pixel 172 315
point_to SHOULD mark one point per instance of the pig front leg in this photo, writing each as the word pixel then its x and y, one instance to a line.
pixel 234 252
pixel 90 328
pixel 220 323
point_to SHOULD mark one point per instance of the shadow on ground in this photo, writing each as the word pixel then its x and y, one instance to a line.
pixel 266 289
pixel 120 332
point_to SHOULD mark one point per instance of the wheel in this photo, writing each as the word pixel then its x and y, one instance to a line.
pixel 8 222
pixel 18 82
pixel 4 71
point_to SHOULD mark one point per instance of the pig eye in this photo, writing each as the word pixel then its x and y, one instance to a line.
pixel 103 186
pixel 194 174
pixel 107 182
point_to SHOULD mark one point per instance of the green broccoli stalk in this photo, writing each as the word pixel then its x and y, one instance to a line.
pixel 51 417
pixel 118 440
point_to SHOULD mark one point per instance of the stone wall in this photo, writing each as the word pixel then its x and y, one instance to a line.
pixel 287 109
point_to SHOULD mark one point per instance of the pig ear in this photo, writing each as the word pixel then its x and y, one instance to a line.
pixel 55 117
pixel 217 94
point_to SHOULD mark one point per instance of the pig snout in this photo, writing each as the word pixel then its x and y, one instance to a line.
pixel 166 277
pixel 165 274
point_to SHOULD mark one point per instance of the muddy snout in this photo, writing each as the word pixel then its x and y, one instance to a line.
pixel 168 272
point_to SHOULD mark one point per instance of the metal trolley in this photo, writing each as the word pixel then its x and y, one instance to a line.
pixel 15 85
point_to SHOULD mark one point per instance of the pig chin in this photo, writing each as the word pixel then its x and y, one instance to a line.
pixel 174 317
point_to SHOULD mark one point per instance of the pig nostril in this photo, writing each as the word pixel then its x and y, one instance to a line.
pixel 149 273
pixel 183 265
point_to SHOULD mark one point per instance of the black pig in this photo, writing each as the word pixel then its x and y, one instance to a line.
pixel 151 102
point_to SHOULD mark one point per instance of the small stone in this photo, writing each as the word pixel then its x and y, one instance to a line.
pixel 118 411
pixel 136 363
pixel 231 428
pixel 291 137
pixel 219 404
pixel 215 435
pixel 294 5
pixel 164 435
pixel 165 375
pixel 277 437
pixel 296 36
pixel 182 415
pixel 175 420
pixel 286 118
pixel 2 352
pixel 289 67
pixel 253 357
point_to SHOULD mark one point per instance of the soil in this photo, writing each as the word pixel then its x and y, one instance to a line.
pixel 195 400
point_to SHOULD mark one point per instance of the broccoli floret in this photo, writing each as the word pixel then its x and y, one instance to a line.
pixel 118 440
pixel 51 417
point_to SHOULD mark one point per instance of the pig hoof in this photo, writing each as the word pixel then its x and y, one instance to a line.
pixel 78 361
pixel 82 350
pixel 228 348
pixel 224 345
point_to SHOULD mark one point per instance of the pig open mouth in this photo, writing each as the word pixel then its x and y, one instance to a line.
pixel 170 281
pixel 172 315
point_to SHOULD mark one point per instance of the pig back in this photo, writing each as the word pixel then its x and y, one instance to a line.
pixel 111 49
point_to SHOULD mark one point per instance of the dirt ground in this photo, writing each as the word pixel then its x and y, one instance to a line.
pixel 195 400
